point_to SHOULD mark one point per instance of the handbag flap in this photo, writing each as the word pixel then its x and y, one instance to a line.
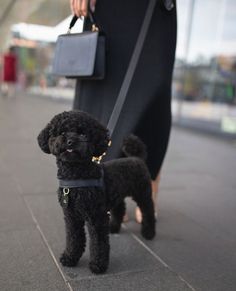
pixel 75 54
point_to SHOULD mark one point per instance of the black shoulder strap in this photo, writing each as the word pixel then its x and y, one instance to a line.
pixel 131 68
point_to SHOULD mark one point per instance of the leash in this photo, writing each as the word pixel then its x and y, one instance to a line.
pixel 131 68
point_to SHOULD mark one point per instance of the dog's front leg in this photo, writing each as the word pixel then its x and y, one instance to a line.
pixel 98 227
pixel 75 239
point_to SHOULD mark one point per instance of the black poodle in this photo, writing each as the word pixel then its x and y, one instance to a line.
pixel 89 190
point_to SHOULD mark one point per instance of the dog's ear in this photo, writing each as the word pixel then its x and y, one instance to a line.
pixel 43 138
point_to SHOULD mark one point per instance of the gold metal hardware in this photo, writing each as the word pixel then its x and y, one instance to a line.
pixel 98 159
pixel 95 28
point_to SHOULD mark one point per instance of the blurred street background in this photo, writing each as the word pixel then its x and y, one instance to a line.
pixel 204 95
pixel 196 237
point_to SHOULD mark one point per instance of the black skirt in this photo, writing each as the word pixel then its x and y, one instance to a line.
pixel 147 109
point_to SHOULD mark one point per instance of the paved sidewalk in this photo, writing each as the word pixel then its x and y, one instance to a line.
pixel 195 244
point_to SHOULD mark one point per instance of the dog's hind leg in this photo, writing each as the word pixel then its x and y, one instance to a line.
pixel 75 240
pixel 117 214
pixel 98 228
pixel 145 203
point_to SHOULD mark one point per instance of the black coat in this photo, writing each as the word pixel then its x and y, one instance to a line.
pixel 147 110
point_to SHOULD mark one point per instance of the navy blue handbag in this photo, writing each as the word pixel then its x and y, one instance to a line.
pixel 80 55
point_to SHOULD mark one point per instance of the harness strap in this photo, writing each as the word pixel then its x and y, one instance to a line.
pixel 81 183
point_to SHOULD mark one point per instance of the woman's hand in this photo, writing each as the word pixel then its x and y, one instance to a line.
pixel 80 7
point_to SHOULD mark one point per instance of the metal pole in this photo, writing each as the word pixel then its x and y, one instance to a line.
pixel 219 37
pixel 189 25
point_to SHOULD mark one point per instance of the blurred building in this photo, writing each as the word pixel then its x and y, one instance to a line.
pixel 35 46
pixel 33 43
pixel 204 86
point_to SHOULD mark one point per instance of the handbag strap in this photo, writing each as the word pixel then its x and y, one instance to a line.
pixel 131 68
pixel 91 18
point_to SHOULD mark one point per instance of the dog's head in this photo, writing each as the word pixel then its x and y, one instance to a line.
pixel 74 136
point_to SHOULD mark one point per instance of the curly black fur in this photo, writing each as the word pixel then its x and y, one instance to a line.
pixel 134 147
pixel 75 137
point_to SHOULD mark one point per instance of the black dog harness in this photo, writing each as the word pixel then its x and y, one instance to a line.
pixel 66 185
pixel 81 183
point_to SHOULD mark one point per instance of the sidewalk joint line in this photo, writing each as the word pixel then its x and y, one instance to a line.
pixel 104 276
pixel 157 257
pixel 48 246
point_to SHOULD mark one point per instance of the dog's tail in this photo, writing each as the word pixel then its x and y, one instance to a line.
pixel 134 147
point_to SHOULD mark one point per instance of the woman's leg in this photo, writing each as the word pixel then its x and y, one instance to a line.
pixel 155 190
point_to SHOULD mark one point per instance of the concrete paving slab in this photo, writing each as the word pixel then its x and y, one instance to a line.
pixel 19 151
pixel 145 280
pixel 29 177
pixel 182 243
pixel 199 251
pixel 126 254
pixel 25 263
pixel 128 258
pixel 14 215
pixel 13 212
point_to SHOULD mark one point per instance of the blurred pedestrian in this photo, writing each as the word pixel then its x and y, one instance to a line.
pixel 9 72
pixel 147 109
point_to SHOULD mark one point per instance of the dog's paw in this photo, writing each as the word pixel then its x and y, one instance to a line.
pixel 97 268
pixel 68 261
pixel 148 233
pixel 114 227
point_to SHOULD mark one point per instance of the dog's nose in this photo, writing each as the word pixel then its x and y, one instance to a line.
pixel 69 142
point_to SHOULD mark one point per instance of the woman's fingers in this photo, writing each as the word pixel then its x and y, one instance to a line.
pixel 84 7
pixel 72 6
pixel 77 6
pixel 80 7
